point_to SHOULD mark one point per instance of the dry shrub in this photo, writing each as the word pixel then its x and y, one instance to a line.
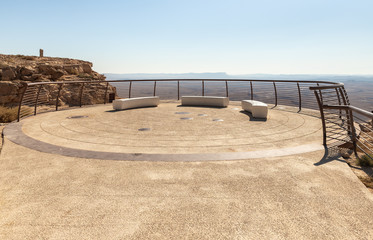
pixel 368 181
pixel 8 114
pixel 366 161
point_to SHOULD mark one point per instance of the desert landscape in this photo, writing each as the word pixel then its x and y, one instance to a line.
pixel 208 158
pixel 186 120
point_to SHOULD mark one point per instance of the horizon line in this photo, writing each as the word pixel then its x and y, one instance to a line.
pixel 329 74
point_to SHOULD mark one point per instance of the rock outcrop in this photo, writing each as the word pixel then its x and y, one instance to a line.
pixel 16 70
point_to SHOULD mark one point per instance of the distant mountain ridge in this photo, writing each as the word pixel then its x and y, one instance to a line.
pixel 124 76
pixel 223 75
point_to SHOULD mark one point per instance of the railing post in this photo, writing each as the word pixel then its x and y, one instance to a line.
pixel 226 88
pixel 343 98
pixel 37 98
pixel 129 90
pixel 299 97
pixel 322 116
pixel 81 95
pixel 20 101
pixel 320 93
pixel 105 97
pixel 344 95
pixel 339 98
pixel 349 129
pixel 345 103
pixel 155 86
pixel 274 86
pixel 58 95
pixel 251 87
pixel 203 88
pixel 178 90
pixel 353 131
pixel 339 102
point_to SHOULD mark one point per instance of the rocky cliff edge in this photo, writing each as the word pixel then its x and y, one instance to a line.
pixel 16 70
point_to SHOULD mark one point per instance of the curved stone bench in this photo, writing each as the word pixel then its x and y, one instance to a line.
pixel 257 109
pixel 204 101
pixel 121 104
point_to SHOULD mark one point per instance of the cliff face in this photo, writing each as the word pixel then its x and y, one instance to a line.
pixel 15 70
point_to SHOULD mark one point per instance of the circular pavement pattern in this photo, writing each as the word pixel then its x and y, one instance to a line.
pixel 108 134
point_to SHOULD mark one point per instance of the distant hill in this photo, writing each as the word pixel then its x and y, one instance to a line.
pixel 359 87
pixel 217 75
pixel 126 76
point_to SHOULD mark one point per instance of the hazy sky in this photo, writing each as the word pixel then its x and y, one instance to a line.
pixel 159 36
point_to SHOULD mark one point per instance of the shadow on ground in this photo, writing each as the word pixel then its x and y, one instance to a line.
pixel 113 110
pixel 252 118
pixel 330 154
pixel 200 106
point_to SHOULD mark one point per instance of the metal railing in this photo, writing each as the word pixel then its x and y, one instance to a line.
pixel 53 96
pixel 344 125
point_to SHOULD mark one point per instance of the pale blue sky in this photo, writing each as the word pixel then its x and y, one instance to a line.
pixel 237 37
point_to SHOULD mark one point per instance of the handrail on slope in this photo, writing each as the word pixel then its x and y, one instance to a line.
pixel 354 125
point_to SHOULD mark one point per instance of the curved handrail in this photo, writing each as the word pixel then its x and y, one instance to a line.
pixel 335 85
pixel 187 79
pixel 352 108
pixel 343 121
pixel 83 83
pixel 329 95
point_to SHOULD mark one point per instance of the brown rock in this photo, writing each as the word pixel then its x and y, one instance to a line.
pixel 46 69
pixel 6 99
pixel 10 92
pixel 27 78
pixel 346 153
pixel 26 71
pixel 7 88
pixel 51 72
pixel 58 67
pixel 87 68
pixel 84 75
pixel 67 78
pixel 57 74
pixel 36 76
pixel 73 69
pixel 17 68
pixel 366 127
pixel 8 74
pixel 42 80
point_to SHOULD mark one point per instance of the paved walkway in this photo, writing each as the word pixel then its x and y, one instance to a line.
pixel 165 132
pixel 300 196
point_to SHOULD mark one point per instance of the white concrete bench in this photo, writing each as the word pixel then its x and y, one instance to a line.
pixel 127 103
pixel 257 109
pixel 204 101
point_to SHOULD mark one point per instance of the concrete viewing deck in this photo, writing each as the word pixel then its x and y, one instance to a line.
pixel 169 129
pixel 184 172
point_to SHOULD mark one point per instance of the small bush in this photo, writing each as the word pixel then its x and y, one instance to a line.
pixel 366 161
pixel 8 114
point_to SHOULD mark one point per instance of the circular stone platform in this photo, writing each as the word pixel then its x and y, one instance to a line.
pixel 100 132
